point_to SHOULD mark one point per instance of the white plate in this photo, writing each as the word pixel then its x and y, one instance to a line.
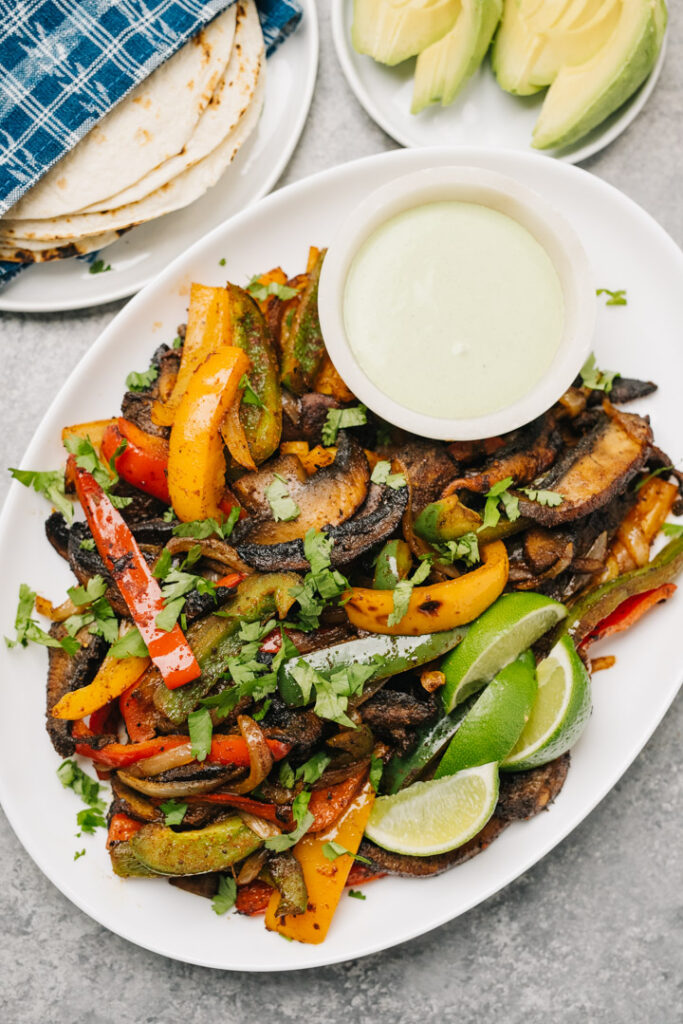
pixel 640 339
pixel 482 115
pixel 145 251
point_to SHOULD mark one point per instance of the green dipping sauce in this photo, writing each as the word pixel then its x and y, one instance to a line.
pixel 453 310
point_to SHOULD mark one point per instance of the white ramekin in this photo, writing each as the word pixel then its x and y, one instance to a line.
pixel 551 230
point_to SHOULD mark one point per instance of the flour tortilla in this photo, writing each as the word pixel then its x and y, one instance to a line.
pixel 150 125
pixel 174 195
pixel 227 107
pixel 44 252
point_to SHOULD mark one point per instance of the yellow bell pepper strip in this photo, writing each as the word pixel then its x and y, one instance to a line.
pixel 325 879
pixel 328 382
pixel 94 430
pixel 433 608
pixel 168 649
pixel 196 463
pixel 207 331
pixel 113 678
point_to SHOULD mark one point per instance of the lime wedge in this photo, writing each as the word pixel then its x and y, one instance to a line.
pixel 560 712
pixel 494 723
pixel 508 627
pixel 435 816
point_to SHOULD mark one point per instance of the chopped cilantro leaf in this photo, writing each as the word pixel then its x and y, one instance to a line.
pixel 79 853
pixel 403 592
pixel 672 529
pixel 87 545
pixel 173 812
pixel 342 419
pixel 263 711
pixel 356 894
pixel 163 565
pixel 200 729
pixel 73 777
pixel 311 770
pixel 141 381
pixel 95 588
pixel 284 508
pixel 169 515
pixel 551 499
pixel 87 458
pixel 177 342
pixel 376 770
pixel 224 900
pixel 89 819
pixel 176 585
pixel 249 396
pixel 222 261
pixel 596 379
pixel 499 493
pixel 332 689
pixel 99 267
pixel 302 817
pixel 382 474
pixel 49 483
pixel 261 292
pixel 28 630
pixel 333 850
pixel 464 549
pixel 617 298
pixel 200 529
pixel 130 645
pixel 286 776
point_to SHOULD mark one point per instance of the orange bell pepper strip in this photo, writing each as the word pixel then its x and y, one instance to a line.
pixel 325 879
pixel 242 803
pixel 207 330
pixel 328 382
pixel 168 649
pixel 121 828
pixel 94 430
pixel 435 608
pixel 327 804
pixel 230 750
pixel 114 676
pixel 144 460
pixel 196 463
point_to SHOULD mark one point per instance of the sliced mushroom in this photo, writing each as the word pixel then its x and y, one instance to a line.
pixel 327 498
pixel 67 673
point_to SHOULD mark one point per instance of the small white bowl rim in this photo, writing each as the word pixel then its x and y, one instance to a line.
pixel 541 218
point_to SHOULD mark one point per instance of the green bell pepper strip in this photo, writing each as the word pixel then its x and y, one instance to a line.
pixel 393 654
pixel 394 563
pixel 600 602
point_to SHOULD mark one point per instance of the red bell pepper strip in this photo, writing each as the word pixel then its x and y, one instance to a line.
pixel 122 827
pixel 144 460
pixel 138 715
pixel 233 579
pixel 242 803
pixel 327 804
pixel 230 750
pixel 169 650
pixel 105 719
pixel 253 898
pixel 627 614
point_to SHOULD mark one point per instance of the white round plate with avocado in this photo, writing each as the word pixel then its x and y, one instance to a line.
pixel 481 114
pixel 640 339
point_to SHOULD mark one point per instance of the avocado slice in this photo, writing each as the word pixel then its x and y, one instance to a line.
pixel 584 96
pixel 393 30
pixel 444 67
pixel 565 47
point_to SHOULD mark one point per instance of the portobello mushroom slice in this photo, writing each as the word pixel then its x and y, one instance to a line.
pixel 600 466
pixel 530 452
pixel 376 520
pixel 67 673
pixel 303 418
pixel 136 406
pixel 57 532
pixel 427 467
pixel 327 498
pixel 393 715
pixel 625 389
pixel 522 795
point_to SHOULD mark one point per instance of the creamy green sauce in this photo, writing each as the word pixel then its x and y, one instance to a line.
pixel 453 309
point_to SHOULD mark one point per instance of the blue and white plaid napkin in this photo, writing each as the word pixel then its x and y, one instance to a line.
pixel 65 63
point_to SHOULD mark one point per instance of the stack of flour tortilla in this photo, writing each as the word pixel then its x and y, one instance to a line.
pixel 160 148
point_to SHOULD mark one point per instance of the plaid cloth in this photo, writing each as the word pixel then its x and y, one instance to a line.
pixel 65 63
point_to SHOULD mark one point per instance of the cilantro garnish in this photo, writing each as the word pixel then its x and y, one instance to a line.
pixel 310 771
pixel 251 677
pixel 99 267
pixel 177 342
pixel 263 711
pixel 222 261
pixel 333 850
pixel 249 396
pixel 79 853
pixel 499 493
pixel 617 298
pixel 596 379
pixel 130 645
pixel 403 592
pixel 224 900
pixel 342 419
pixel 87 458
pixel 464 549
pixel 284 508
pixel 261 292
pixel 672 529
pixel 655 472
pixel 87 545
pixel 176 585
pixel 49 483
pixel 28 630
pixel 332 689
pixel 73 777
pixel 551 499
pixel 376 770
pixel 382 474
pixel 356 894
pixel 173 812
pixel 141 381
pixel 321 584
pixel 303 818
pixel 201 730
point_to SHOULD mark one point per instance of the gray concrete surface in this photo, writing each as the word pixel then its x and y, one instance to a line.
pixel 592 934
